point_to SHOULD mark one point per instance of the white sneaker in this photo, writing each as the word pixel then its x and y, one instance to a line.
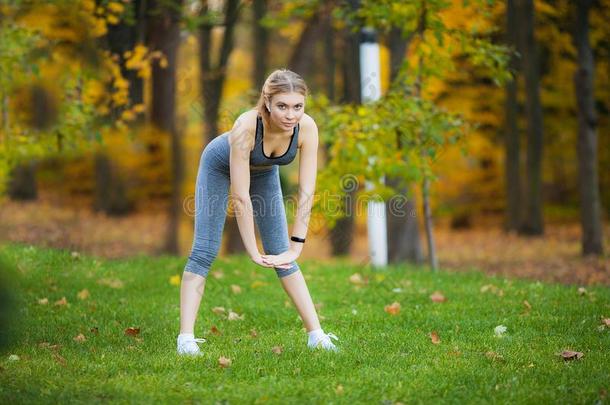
pixel 188 346
pixel 324 342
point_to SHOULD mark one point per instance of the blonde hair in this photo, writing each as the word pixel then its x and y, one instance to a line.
pixel 280 81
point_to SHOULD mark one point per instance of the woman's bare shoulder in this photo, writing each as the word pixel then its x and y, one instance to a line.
pixel 244 126
pixel 307 129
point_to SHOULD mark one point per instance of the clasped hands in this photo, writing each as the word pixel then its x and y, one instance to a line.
pixel 281 261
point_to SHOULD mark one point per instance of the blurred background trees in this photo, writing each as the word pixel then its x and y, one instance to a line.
pixel 489 108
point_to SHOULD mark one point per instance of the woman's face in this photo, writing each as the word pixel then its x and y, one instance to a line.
pixel 286 109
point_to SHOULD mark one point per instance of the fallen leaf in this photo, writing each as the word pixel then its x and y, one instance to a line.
pixel 175 279
pixel 393 308
pixel 111 282
pixel 13 357
pixel 358 280
pixel 218 274
pixel 499 330
pixel 83 294
pixel 214 330
pixel 319 305
pixel 59 358
pixel 75 255
pixel 438 296
pixel 571 355
pixel 131 331
pixel 61 302
pixel 339 389
pixel 435 338
pixel 494 356
pixel 94 330
pixel 43 301
pixel 224 362
pixel 257 284
pixel 218 310
pixel 606 321
pixel 253 333
pixel 527 304
pixel 582 291
pixel 79 338
pixel 233 316
pixel 236 289
pixel 277 349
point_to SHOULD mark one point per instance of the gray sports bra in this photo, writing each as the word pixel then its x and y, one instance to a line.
pixel 257 155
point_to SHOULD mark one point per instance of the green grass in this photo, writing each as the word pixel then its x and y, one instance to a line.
pixel 384 358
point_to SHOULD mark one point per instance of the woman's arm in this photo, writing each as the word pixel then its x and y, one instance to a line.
pixel 308 169
pixel 241 142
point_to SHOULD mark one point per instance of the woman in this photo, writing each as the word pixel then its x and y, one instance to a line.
pixel 240 162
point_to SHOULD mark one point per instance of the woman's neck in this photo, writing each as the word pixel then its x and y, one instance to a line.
pixel 274 131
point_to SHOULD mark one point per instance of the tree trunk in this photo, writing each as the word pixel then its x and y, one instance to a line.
pixel 532 222
pixel 304 51
pixel 22 182
pixel 511 131
pixel 164 36
pixel 402 227
pixel 590 204
pixel 261 44
pixel 427 210
pixel 212 79
pixel 110 189
pixel 341 235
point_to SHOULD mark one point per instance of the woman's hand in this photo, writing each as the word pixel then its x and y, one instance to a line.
pixel 258 259
pixel 284 258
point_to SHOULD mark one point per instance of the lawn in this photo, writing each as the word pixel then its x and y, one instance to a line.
pixel 92 330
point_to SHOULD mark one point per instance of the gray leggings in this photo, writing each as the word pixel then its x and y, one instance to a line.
pixel 211 201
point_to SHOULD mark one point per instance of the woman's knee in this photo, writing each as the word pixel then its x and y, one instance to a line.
pixel 202 256
pixel 281 273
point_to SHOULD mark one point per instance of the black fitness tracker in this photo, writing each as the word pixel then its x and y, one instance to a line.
pixel 294 238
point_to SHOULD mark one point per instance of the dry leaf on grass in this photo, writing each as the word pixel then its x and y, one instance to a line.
pixel 393 308
pixel 224 362
pixel 80 338
pixel 218 310
pixel 257 284
pixel 235 289
pixel 358 280
pixel 111 282
pixel 61 302
pixel 570 355
pixel 214 330
pixel 499 330
pixel 218 274
pixel 59 358
pixel 43 301
pixel 438 296
pixel 233 316
pixel 83 294
pixel 494 356
pixel 253 333
pixel 339 389
pixel 131 331
pixel 434 338
pixel 277 349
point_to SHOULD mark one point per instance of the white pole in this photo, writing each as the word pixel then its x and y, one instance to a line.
pixel 370 85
